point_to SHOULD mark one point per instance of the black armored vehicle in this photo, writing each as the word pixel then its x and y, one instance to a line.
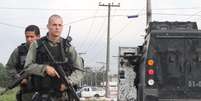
pixel 169 68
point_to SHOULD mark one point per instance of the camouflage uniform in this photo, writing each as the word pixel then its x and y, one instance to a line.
pixel 37 68
pixel 14 65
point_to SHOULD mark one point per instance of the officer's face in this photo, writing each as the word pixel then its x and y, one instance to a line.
pixel 55 27
pixel 31 36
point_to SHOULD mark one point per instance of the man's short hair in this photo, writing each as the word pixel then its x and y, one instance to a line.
pixel 33 28
pixel 53 16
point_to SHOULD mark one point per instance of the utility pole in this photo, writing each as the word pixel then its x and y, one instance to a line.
pixel 149 12
pixel 109 5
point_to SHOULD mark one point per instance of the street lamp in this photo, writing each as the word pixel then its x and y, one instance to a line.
pixel 132 16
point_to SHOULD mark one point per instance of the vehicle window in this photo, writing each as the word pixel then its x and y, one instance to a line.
pixel 86 89
pixel 94 89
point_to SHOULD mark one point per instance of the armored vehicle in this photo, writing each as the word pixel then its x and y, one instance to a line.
pixel 169 68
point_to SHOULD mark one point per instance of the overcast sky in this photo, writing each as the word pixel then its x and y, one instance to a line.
pixel 89 23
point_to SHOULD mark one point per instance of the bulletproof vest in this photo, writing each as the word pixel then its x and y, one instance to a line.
pixel 22 53
pixel 42 57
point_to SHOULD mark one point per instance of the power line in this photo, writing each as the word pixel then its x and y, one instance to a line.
pixel 97 38
pixel 177 8
pixel 122 29
pixel 11 25
pixel 93 17
pixel 60 9
pixel 175 14
pixel 66 24
pixel 93 43
pixel 97 53
pixel 193 15
pixel 47 9
pixel 89 31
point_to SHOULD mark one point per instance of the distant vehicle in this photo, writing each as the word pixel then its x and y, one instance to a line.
pixel 91 92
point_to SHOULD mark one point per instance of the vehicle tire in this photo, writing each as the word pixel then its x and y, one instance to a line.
pixel 96 95
pixel 80 95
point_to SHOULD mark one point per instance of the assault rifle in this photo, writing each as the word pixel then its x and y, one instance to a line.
pixel 22 75
pixel 62 74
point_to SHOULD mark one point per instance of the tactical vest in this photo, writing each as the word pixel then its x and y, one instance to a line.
pixel 60 55
pixel 22 53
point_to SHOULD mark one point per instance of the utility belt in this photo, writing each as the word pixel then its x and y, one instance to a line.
pixel 45 83
pixel 51 93
pixel 22 91
pixel 47 96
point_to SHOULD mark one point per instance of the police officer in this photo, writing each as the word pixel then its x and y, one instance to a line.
pixel 16 62
pixel 38 63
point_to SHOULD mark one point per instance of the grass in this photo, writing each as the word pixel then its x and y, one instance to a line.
pixel 9 96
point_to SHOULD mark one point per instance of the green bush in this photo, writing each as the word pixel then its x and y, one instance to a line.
pixel 3 76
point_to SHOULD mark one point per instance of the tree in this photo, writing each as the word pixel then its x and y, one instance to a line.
pixel 3 76
pixel 101 77
pixel 93 78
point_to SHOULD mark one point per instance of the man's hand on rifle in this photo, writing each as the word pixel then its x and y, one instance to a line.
pixel 62 87
pixel 51 71
pixel 23 83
